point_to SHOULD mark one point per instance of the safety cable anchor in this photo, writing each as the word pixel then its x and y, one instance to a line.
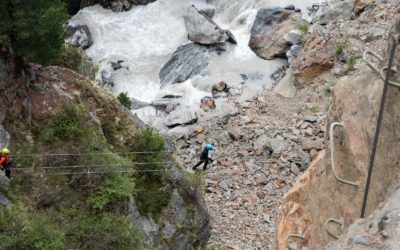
pixel 331 137
pixel 380 72
pixel 332 220
pixel 299 236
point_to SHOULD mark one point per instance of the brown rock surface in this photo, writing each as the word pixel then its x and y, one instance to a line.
pixel 316 57
pixel 318 196
pixel 359 5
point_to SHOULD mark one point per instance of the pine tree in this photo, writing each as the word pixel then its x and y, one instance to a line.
pixel 35 28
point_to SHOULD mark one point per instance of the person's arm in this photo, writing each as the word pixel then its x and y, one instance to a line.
pixel 2 159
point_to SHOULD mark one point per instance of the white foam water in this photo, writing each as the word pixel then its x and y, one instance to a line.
pixel 146 36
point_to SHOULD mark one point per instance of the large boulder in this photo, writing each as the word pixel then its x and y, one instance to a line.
pixel 187 61
pixel 202 29
pixel 179 117
pixel 79 36
pixel 316 57
pixel 269 29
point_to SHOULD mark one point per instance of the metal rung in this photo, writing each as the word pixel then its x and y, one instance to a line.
pixel 332 220
pixel 333 125
pixel 380 72
pixel 299 236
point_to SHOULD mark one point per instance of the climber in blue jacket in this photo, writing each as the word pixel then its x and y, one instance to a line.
pixel 204 157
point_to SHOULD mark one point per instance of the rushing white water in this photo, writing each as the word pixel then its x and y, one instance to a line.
pixel 146 36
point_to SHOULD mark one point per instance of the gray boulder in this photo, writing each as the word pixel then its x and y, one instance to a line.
pixel 268 31
pixel 337 10
pixel 187 61
pixel 286 87
pixel 79 36
pixel 274 145
pixel 4 201
pixel 293 37
pixel 4 137
pixel 202 29
pixel 179 117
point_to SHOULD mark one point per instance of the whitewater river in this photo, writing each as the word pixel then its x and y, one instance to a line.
pixel 146 36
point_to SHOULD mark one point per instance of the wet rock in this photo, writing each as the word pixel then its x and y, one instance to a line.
pixel 286 87
pixel 268 30
pixel 179 117
pixel 207 103
pixel 316 57
pixel 187 61
pixel 117 65
pixel 210 12
pixel 202 29
pixel 79 36
pixel 4 137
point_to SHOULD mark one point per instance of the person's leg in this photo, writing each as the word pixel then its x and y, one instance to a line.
pixel 198 164
pixel 8 173
pixel 205 164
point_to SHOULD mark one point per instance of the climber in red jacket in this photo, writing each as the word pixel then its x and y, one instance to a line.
pixel 5 163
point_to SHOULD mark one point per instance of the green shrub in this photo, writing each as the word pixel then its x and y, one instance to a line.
pixel 303 27
pixel 328 86
pixel 351 61
pixel 65 124
pixel 341 46
pixel 106 232
pixel 75 59
pixel 40 232
pixel 35 28
pixel 112 190
pixel 124 100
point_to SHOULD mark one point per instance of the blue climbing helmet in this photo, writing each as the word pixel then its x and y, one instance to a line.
pixel 210 147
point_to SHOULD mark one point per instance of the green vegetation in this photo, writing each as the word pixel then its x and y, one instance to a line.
pixel 124 100
pixel 351 61
pixel 65 124
pixel 328 86
pixel 211 247
pixel 314 109
pixel 303 27
pixel 149 195
pixel 75 59
pixel 300 110
pixel 35 28
pixel 114 189
pixel 342 45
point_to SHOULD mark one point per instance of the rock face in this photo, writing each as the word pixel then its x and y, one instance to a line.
pixel 305 208
pixel 202 29
pixel 381 230
pixel 316 57
pixel 4 137
pixel 79 36
pixel 187 61
pixel 338 9
pixel 269 29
